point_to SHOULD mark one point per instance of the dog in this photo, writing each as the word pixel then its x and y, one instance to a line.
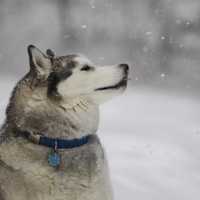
pixel 49 149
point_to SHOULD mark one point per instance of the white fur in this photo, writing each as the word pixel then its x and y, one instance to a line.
pixel 84 83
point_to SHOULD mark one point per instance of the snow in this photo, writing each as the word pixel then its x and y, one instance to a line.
pixel 188 23
pixel 92 4
pixel 148 33
pixel 83 26
pixel 162 75
pixel 163 38
pixel 152 142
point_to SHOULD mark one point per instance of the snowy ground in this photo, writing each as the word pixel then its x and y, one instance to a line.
pixel 153 144
pixel 152 140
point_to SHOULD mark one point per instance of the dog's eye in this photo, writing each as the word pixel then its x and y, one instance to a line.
pixel 85 68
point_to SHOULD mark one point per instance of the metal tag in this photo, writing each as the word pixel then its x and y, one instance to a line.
pixel 54 158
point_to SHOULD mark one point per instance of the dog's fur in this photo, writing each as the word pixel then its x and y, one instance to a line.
pixel 59 97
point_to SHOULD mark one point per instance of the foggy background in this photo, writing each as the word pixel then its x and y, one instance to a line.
pixel 152 132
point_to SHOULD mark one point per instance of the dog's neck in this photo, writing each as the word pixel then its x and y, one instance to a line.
pixel 72 118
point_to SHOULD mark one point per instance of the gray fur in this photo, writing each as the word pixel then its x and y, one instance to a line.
pixel 24 170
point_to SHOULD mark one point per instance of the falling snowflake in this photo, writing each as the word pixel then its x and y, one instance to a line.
pixel 162 75
pixel 148 33
pixel 188 23
pixel 163 38
pixel 84 26
pixel 92 2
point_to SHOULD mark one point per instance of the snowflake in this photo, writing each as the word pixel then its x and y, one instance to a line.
pixel 148 33
pixel 84 26
pixel 188 23
pixel 162 75
pixel 163 38
pixel 92 2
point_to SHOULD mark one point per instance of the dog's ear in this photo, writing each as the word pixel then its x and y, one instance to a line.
pixel 39 62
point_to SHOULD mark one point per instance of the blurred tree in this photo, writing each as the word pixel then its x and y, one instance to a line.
pixel 165 18
pixel 2 23
pixel 68 37
pixel 2 12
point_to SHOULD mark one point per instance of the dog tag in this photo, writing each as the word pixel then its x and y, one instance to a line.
pixel 54 157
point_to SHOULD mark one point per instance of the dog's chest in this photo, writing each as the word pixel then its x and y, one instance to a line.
pixel 78 177
pixel 73 123
pixel 84 121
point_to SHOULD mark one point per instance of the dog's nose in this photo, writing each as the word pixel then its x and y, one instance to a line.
pixel 125 66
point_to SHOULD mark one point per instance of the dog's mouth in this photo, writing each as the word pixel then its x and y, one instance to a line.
pixel 122 83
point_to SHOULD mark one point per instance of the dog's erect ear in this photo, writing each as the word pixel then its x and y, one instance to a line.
pixel 39 62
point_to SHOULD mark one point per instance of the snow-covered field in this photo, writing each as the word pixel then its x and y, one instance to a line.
pixel 153 143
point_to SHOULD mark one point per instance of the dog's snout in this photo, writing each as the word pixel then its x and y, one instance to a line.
pixel 125 67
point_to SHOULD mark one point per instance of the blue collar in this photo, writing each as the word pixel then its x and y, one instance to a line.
pixel 56 143
pixel 54 157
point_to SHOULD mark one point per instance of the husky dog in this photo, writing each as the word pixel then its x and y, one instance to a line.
pixel 49 149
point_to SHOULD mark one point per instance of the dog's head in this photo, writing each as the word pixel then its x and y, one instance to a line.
pixel 73 76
